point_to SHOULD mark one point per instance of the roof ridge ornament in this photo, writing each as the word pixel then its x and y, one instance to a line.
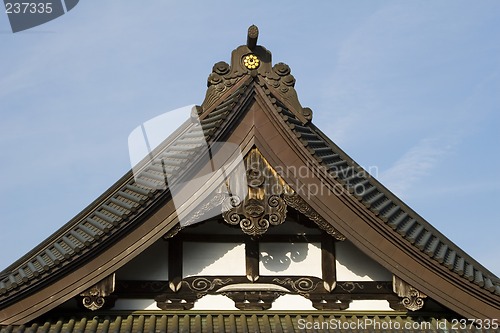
pixel 253 34
pixel 254 62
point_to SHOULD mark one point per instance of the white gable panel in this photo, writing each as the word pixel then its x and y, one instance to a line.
pixel 214 302
pixel 221 259
pixel 292 302
pixel 369 305
pixel 290 259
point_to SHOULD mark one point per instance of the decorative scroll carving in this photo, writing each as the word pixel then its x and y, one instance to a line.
pixel 351 286
pixel 302 286
pixel 256 295
pixel 283 82
pixel 94 298
pixel 296 202
pixel 201 286
pixel 184 299
pixel 413 299
pixel 264 204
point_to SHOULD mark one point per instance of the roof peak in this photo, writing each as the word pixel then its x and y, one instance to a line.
pixel 255 61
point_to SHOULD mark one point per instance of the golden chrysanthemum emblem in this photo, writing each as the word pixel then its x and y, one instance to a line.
pixel 251 61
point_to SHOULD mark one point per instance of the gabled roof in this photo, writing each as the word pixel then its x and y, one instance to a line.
pixel 252 107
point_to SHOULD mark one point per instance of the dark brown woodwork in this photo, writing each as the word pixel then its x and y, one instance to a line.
pixel 328 265
pixel 253 34
pixel 253 300
pixel 252 254
pixel 175 259
pixel 313 288
pixel 263 205
pixel 99 295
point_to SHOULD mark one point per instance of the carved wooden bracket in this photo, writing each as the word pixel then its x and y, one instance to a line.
pixel 95 297
pixel 413 299
pixel 256 295
pixel 171 302
pixel 264 204
pixel 192 290
pixel 253 296
pixel 329 302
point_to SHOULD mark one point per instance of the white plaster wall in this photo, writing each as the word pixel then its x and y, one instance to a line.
pixel 213 259
pixel 151 264
pixel 292 302
pixel 354 265
pixel 214 302
pixel 369 305
pixel 290 259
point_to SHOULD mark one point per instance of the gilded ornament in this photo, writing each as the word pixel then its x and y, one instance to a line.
pixel 251 61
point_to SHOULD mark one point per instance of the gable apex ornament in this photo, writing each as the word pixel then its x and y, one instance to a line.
pixel 254 62
pixel 264 204
pixel 268 196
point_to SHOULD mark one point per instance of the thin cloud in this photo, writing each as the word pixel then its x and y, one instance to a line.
pixel 416 163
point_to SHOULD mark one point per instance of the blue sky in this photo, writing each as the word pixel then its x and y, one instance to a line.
pixel 409 89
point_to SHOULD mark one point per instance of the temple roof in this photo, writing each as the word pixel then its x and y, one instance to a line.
pixel 232 90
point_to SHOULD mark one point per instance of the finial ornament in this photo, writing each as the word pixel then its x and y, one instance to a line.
pixel 253 34
pixel 252 61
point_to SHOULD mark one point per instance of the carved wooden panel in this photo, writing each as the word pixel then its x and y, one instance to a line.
pixel 257 295
pixel 264 205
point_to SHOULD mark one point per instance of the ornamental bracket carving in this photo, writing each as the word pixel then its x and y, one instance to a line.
pixel 412 299
pixel 263 205
pixel 95 297
pixel 254 62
